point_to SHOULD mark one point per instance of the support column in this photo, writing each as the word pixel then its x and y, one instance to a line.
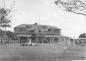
pixel 45 39
pixel 19 40
pixel 37 40
pixel 50 40
pixel 53 39
pixel 42 40
pixel 27 39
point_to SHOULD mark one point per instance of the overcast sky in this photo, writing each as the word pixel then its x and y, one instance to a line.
pixel 47 13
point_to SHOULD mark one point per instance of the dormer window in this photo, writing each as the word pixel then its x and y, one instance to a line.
pixel 44 27
pixel 56 30
pixel 39 30
pixel 49 30
pixel 28 26
pixel 21 29
pixel 32 30
pixel 36 24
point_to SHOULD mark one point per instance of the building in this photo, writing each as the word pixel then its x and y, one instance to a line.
pixel 38 33
pixel 81 40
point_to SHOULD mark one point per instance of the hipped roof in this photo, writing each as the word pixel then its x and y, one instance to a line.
pixel 34 25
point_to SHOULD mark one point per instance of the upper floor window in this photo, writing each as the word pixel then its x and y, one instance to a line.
pixel 44 27
pixel 56 30
pixel 39 30
pixel 28 26
pixel 21 29
pixel 32 30
pixel 49 30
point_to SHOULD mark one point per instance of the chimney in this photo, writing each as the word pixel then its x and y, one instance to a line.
pixel 36 23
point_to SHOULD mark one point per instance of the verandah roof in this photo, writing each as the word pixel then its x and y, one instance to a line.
pixel 22 35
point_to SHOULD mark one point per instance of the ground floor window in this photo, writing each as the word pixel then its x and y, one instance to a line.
pixel 39 40
pixel 43 40
pixel 56 40
pixel 23 39
pixel 48 39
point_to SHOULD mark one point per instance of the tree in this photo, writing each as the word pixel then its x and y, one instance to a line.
pixel 4 18
pixel 8 33
pixel 5 15
pixel 74 6
pixel 82 35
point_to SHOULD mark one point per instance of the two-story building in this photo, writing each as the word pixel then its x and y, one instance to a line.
pixel 40 33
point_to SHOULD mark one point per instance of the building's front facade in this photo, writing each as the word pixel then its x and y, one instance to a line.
pixel 41 33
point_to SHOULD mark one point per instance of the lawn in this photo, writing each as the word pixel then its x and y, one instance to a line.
pixel 45 52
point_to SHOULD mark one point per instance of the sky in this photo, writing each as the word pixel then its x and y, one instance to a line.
pixel 45 12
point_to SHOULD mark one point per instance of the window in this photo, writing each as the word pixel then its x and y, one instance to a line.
pixel 21 29
pixel 31 30
pixel 48 40
pixel 28 26
pixel 39 40
pixel 44 27
pixel 56 40
pixel 49 30
pixel 56 30
pixel 39 31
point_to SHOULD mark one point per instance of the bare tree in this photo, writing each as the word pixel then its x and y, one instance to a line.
pixel 74 6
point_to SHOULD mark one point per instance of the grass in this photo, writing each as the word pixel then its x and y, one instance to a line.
pixel 44 52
